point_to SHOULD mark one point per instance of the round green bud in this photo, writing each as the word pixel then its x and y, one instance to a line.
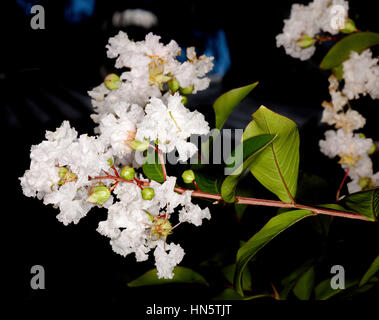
pixel 173 85
pixel 372 150
pixel 99 195
pixel 349 27
pixel 139 145
pixel 188 176
pixel 112 81
pixel 362 135
pixel 147 193
pixel 184 100
pixel 305 41
pixel 187 90
pixel 127 173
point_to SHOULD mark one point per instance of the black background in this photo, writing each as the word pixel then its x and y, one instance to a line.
pixel 53 69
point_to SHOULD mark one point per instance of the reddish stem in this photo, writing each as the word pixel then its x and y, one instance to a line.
pixel 342 183
pixel 161 160
pixel 252 201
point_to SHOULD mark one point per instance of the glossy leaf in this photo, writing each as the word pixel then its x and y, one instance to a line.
pixel 271 229
pixel 225 104
pixel 152 167
pixel 364 202
pixel 289 281
pixel 229 271
pixel 374 268
pixel 324 291
pixel 277 166
pixel 248 149
pixel 304 285
pixel 181 275
pixel 341 50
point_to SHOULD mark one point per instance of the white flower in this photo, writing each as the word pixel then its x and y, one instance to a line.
pixel 165 262
pixel 361 75
pixel 193 71
pixel 317 16
pixel 78 157
pixel 192 213
pixel 172 125
pixel 118 130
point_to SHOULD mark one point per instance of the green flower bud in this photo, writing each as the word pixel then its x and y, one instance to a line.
pixel 127 173
pixel 62 172
pixel 139 145
pixel 184 100
pixel 110 161
pixel 305 41
pixel 362 135
pixel 349 27
pixel 188 176
pixel 187 90
pixel 147 193
pixel 112 81
pixel 173 85
pixel 373 148
pixel 99 195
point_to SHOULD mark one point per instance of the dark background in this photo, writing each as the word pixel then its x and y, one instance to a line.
pixel 44 77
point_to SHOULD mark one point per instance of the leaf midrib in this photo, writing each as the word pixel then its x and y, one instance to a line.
pixel 277 164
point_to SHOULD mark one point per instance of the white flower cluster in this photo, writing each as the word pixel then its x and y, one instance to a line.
pixel 308 21
pixel 353 149
pixel 75 173
pixel 361 75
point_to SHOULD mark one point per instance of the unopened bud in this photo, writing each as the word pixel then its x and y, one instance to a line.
pixel 127 173
pixel 305 41
pixel 187 90
pixel 184 100
pixel 139 145
pixel 349 27
pixel 373 149
pixel 173 85
pixel 99 195
pixel 147 193
pixel 62 172
pixel 188 176
pixel 110 162
pixel 112 81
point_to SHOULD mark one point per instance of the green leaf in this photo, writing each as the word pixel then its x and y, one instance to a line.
pixel 364 202
pixel 374 268
pixel 225 104
pixel 230 294
pixel 324 291
pixel 206 183
pixel 181 275
pixel 341 50
pixel 277 166
pixel 270 230
pixel 152 167
pixel 289 282
pixel 304 285
pixel 229 271
pixel 248 149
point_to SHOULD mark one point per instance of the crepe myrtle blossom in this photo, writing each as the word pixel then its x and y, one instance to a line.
pixel 171 124
pixel 306 21
pixel 136 225
pixel 361 75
